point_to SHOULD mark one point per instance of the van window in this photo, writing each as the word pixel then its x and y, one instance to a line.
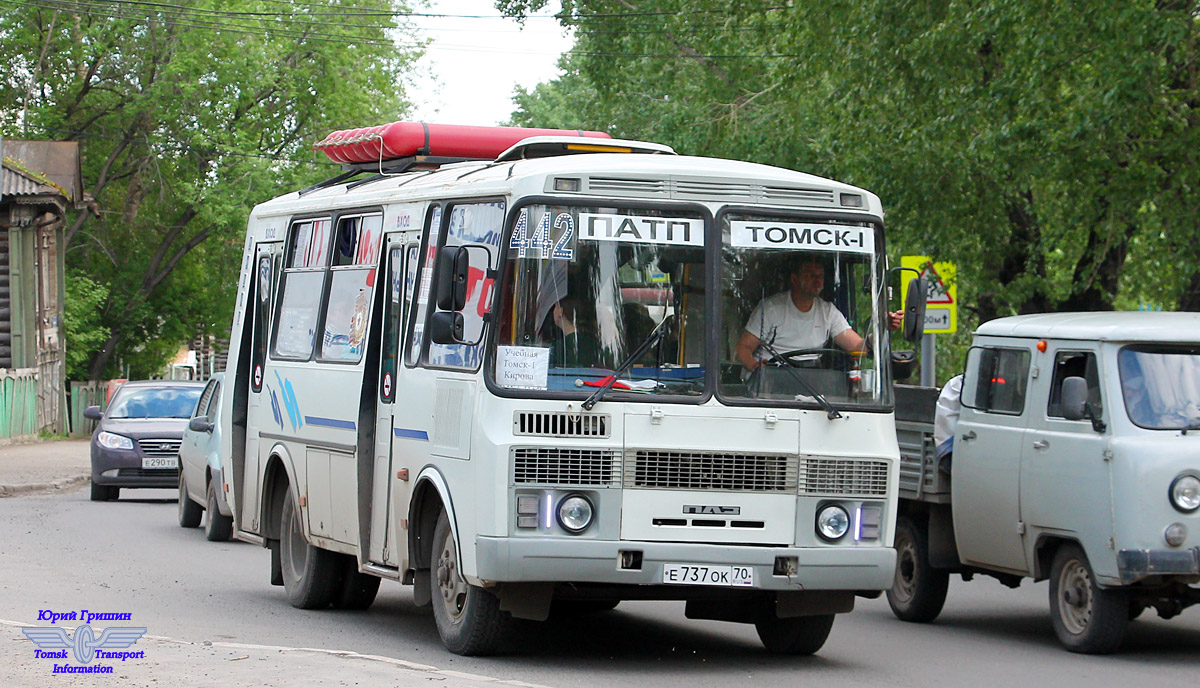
pixel 1074 364
pixel 996 380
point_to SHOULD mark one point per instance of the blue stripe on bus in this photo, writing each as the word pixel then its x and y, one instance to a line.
pixel 411 434
pixel 331 422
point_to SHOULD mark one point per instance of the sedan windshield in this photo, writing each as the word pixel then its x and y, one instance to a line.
pixel 803 317
pixel 155 402
pixel 586 286
pixel 1161 386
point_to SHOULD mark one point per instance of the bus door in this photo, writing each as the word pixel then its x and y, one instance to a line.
pixel 266 277
pixel 390 489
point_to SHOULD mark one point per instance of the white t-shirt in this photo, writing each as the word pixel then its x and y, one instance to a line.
pixel 777 321
pixel 945 418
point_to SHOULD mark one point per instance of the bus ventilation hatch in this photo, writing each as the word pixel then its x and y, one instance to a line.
pixel 558 424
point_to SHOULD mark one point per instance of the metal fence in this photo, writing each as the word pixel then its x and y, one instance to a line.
pixel 18 404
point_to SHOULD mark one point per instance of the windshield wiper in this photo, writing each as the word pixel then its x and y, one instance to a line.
pixel 649 341
pixel 830 411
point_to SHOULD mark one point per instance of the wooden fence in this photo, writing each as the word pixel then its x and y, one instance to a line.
pixel 18 404
pixel 83 395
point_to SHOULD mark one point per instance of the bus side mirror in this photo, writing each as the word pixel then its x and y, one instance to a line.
pixel 454 263
pixel 914 310
pixel 447 327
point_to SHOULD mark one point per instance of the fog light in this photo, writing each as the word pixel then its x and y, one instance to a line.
pixel 832 522
pixel 575 513
pixel 1175 535
pixel 527 505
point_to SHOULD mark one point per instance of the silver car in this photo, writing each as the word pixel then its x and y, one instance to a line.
pixel 200 468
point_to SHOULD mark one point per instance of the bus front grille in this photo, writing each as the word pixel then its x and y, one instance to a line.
pixel 690 470
pixel 565 466
pixel 843 477
pixel 559 424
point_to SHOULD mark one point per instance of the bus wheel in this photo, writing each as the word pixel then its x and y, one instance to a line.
pixel 918 591
pixel 802 635
pixel 1086 617
pixel 190 512
pixel 468 618
pixel 310 574
pixel 357 590
pixel 219 527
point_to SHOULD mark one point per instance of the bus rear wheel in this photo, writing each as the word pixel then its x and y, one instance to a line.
pixel 802 635
pixel 310 574
pixel 468 617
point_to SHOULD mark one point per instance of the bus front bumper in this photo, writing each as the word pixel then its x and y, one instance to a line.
pixel 512 560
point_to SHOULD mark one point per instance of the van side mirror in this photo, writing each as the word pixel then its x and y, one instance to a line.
pixel 454 263
pixel 93 413
pixel 447 327
pixel 1075 405
pixel 914 310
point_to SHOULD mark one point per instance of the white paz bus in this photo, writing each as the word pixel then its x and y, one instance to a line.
pixel 500 365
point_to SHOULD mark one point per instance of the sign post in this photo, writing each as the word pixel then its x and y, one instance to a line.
pixel 941 308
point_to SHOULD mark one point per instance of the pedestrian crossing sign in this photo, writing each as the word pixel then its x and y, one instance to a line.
pixel 941 305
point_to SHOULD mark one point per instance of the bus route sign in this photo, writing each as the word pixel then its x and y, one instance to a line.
pixel 941 309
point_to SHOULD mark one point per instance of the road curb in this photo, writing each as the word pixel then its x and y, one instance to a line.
pixel 27 488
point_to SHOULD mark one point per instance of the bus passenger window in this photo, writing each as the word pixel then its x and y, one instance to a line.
pixel 351 284
pixel 300 294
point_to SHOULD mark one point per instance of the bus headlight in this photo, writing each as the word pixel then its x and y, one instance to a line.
pixel 832 522
pixel 1185 493
pixel 575 513
pixel 110 441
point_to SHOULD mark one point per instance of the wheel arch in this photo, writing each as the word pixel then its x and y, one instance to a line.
pixel 1044 549
pixel 431 496
pixel 278 480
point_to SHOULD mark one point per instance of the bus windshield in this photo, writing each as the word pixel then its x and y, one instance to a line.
pixel 803 316
pixel 584 287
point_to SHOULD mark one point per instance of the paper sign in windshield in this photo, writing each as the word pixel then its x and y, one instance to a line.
pixel 522 367
pixel 641 229
pixel 809 237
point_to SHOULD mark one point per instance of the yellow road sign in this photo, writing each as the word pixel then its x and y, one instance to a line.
pixel 941 310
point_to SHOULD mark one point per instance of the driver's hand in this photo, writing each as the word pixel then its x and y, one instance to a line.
pixel 895 320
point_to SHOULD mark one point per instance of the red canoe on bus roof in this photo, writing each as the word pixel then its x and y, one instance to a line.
pixel 406 139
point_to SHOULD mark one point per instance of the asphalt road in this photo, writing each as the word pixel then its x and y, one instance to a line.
pixel 62 552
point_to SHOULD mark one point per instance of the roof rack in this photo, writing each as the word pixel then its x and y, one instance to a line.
pixel 383 169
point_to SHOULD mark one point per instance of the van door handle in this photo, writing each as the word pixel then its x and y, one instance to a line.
pixel 1041 444
pixel 968 435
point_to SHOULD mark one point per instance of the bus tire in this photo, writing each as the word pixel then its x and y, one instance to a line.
pixel 918 590
pixel 1087 618
pixel 468 617
pixel 190 512
pixel 219 527
pixel 801 635
pixel 357 590
pixel 310 574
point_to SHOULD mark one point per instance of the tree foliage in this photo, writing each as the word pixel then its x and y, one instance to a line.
pixel 187 116
pixel 1051 149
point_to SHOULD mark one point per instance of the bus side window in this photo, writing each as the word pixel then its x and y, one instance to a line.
pixel 303 283
pixel 352 281
pixel 471 224
pixel 421 305
pixel 393 316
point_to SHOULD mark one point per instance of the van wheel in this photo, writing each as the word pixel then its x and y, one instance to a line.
pixel 190 512
pixel 357 590
pixel 310 574
pixel 802 635
pixel 219 527
pixel 1086 617
pixel 918 590
pixel 468 617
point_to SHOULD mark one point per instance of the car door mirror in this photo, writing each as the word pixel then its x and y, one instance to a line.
pixel 200 424
pixel 93 413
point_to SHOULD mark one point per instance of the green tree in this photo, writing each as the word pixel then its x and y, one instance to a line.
pixel 188 115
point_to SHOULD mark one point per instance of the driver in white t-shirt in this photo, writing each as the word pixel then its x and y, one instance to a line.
pixel 799 319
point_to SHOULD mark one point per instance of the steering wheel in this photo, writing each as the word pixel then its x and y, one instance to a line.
pixel 837 358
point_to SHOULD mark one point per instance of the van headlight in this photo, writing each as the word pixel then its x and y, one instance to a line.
pixel 109 440
pixel 832 522
pixel 575 513
pixel 1185 493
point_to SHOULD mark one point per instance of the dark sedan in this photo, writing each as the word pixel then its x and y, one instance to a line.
pixel 136 443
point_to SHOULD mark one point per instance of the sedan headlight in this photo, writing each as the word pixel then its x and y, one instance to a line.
pixel 575 513
pixel 832 522
pixel 110 441
pixel 1185 493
